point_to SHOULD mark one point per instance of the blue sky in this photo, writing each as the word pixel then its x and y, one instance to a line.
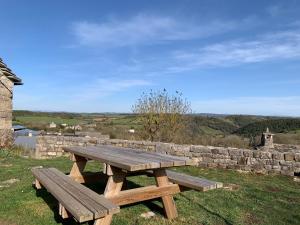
pixel 238 57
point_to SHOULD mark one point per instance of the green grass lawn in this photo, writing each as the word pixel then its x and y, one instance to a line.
pixel 258 200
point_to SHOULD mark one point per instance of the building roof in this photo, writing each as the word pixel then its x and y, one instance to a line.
pixel 9 74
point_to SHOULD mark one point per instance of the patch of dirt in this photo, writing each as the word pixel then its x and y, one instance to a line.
pixel 243 171
pixel 2 222
pixel 296 179
pixel 231 187
pixel 273 189
pixel 37 208
pixel 6 165
pixel 250 218
pixel 8 183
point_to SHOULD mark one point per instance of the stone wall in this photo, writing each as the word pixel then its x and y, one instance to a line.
pixel 6 87
pixel 51 146
pixel 265 162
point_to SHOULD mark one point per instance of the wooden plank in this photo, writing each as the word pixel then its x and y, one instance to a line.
pixel 104 158
pixel 163 158
pixel 162 162
pixel 129 159
pixel 156 160
pixel 168 201
pixel 143 194
pixel 135 159
pixel 80 212
pixel 95 207
pixel 91 195
pixel 130 155
pixel 192 182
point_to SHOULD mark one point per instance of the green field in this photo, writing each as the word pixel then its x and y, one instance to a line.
pixel 45 120
pixel 256 200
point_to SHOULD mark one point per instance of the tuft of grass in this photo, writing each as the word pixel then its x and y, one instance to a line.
pixel 258 200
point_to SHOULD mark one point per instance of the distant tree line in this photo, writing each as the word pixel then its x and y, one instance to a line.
pixel 275 125
pixel 64 115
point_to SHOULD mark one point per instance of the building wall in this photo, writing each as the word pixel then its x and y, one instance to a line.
pixel 280 161
pixel 6 88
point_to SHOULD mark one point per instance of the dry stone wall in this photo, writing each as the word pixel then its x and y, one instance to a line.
pixel 265 162
pixel 6 87
pixel 52 146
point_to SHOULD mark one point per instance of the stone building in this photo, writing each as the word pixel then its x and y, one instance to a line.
pixel 7 81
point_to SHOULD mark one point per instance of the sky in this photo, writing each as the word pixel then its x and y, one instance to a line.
pixel 226 56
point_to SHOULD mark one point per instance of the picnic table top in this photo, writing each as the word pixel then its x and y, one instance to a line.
pixel 129 159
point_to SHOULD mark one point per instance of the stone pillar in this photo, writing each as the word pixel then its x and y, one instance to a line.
pixel 267 140
pixel 6 88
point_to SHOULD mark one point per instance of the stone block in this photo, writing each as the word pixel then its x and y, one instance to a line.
pixel 266 155
pixel 163 147
pixel 207 159
pixel 200 149
pixel 222 165
pixel 297 157
pixel 248 153
pixel 268 167
pixel 51 153
pixel 235 152
pixel 212 165
pixel 277 155
pixel 244 161
pixel 202 164
pixel 287 172
pixel 289 156
pixel 220 151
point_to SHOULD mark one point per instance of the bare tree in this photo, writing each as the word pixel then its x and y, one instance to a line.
pixel 162 115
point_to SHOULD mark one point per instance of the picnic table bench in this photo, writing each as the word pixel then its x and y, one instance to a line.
pixel 74 198
pixel 84 204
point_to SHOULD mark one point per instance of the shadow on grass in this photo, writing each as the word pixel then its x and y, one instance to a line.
pixel 207 210
pixel 98 188
pixel 53 205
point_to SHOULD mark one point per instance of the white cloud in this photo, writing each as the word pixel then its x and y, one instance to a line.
pixel 275 46
pixel 279 106
pixel 146 29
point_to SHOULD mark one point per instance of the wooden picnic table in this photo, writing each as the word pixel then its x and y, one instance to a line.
pixel 122 162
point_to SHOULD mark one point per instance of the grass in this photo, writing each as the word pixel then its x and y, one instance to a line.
pixel 45 120
pixel 258 200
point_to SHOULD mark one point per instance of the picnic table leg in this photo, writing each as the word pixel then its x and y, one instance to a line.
pixel 168 201
pixel 113 188
pixel 78 166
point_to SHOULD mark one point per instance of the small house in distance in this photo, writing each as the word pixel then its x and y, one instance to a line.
pixel 52 125
pixel 7 81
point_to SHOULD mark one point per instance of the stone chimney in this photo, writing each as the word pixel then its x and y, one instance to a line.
pixel 267 139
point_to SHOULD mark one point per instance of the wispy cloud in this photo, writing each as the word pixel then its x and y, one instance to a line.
pixel 87 97
pixel 274 10
pixel 280 106
pixel 147 29
pixel 105 87
pixel 272 46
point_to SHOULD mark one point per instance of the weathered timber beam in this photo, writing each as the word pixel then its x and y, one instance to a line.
pixel 144 193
